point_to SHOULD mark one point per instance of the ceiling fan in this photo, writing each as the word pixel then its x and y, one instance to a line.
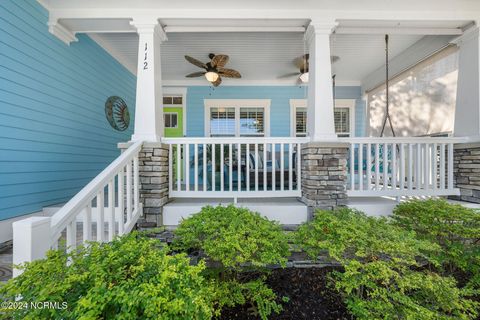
pixel 214 69
pixel 302 64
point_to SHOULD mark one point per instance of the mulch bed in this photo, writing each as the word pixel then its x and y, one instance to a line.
pixel 310 296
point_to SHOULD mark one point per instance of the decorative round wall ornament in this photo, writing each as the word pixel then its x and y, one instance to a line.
pixel 117 114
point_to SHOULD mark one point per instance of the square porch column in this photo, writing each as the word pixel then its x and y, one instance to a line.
pixel 149 97
pixel 320 123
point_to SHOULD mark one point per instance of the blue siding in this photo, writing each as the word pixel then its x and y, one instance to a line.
pixel 279 110
pixel 54 137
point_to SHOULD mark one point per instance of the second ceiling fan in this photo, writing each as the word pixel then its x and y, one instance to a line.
pixel 214 69
pixel 302 64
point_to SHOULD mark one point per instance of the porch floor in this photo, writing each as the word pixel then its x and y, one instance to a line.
pixel 288 211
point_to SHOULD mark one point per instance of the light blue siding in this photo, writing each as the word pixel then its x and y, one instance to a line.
pixel 279 109
pixel 54 137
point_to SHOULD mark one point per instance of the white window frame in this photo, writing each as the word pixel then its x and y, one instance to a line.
pixel 237 104
pixel 170 113
pixel 339 103
pixel 178 91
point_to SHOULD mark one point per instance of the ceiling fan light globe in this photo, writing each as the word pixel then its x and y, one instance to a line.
pixel 211 76
pixel 304 77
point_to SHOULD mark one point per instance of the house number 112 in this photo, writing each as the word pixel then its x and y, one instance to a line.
pixel 145 63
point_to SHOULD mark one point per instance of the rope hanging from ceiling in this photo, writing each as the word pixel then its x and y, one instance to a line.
pixel 387 97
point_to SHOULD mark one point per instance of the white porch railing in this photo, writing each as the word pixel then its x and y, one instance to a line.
pixel 234 167
pixel 108 206
pixel 401 166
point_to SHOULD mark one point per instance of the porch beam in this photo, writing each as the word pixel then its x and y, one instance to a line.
pixel 398 30
pixel 320 122
pixel 148 111
pixel 217 29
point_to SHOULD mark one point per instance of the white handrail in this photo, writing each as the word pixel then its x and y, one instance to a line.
pixel 61 218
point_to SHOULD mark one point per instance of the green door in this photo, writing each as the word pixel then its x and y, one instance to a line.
pixel 173 117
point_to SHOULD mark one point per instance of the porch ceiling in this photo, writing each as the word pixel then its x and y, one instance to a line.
pixel 261 57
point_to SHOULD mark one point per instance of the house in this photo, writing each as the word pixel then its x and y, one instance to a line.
pixel 283 139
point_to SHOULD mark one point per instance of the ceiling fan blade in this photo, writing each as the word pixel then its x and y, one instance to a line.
pixel 195 74
pixel 289 75
pixel 196 62
pixel 301 62
pixel 217 82
pixel 229 73
pixel 219 60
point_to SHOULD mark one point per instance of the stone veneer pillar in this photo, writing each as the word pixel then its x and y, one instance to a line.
pixel 324 175
pixel 153 171
pixel 466 171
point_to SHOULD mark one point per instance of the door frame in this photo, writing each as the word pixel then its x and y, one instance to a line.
pixel 181 91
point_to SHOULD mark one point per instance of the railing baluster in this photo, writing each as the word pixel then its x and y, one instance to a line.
pixel 136 184
pixel 247 165
pixel 170 167
pixel 265 171
pixel 239 167
pixel 196 167
pixel 402 166
pixel 230 172
pixel 100 217
pixel 426 173
pixel 72 235
pixel 87 223
pixel 256 166
pixel 450 166
pixel 299 166
pixel 394 166
pixel 352 166
pixel 282 166
pixel 111 208
pixel 377 166
pixel 410 167
pixel 442 166
pixel 121 204
pixel 434 166
pixel 213 166
pixel 187 167
pixel 369 166
pixel 129 191
pixel 385 166
pixel 290 166
pixel 274 180
pixel 204 164
pixel 418 167
pixel 360 166
pixel 221 166
pixel 179 167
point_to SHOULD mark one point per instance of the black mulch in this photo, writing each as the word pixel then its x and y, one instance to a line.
pixel 310 296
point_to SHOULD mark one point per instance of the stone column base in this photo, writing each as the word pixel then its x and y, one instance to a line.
pixel 324 175
pixel 466 172
pixel 153 171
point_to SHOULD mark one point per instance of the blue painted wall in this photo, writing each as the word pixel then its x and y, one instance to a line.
pixel 279 109
pixel 54 137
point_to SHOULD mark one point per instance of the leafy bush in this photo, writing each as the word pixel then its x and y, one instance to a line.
pixel 455 228
pixel 129 278
pixel 382 277
pixel 236 240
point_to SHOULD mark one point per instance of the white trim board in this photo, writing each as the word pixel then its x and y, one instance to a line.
pixel 237 104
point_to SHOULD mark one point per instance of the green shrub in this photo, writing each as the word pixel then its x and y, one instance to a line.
pixel 132 277
pixel 236 240
pixel 455 228
pixel 383 276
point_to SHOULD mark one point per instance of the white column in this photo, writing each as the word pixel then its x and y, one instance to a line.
pixel 148 106
pixel 31 240
pixel 467 110
pixel 320 124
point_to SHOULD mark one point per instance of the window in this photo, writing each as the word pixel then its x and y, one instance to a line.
pixel 236 117
pixel 170 119
pixel 342 121
pixel 422 99
pixel 169 100
pixel 252 121
pixel 222 122
pixel 343 117
pixel 301 122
